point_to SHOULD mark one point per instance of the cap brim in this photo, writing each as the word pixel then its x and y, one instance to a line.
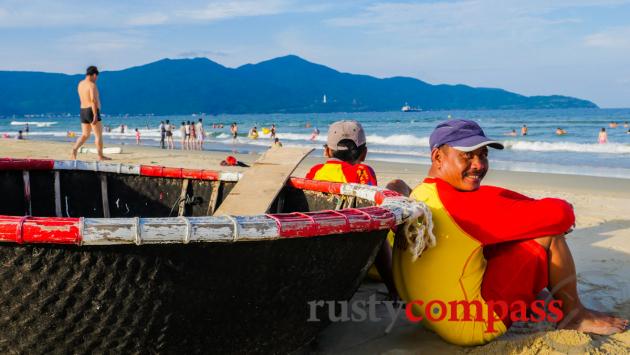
pixel 481 142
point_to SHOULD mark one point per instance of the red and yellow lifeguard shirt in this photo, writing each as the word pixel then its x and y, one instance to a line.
pixel 335 170
pixel 465 224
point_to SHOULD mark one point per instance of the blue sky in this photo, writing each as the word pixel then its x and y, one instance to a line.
pixel 571 47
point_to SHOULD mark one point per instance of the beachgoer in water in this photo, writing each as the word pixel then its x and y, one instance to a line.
pixel 612 124
pixel 315 134
pixel 513 133
pixel 90 113
pixel 273 131
pixel 625 124
pixel 276 143
pixel 253 133
pixel 201 134
pixel 234 131
pixel 493 245
pixel 26 128
pixel 524 130
pixel 193 135
pixel 560 131
pixel 168 128
pixel 188 136
pixel 346 150
pixel 137 137
pixel 603 136
pixel 182 131
pixel 162 129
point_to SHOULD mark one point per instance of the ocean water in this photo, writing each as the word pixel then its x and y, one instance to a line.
pixel 395 136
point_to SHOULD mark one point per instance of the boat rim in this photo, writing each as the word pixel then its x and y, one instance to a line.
pixel 391 209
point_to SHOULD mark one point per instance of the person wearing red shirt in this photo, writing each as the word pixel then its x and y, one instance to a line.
pixel 493 245
pixel 346 149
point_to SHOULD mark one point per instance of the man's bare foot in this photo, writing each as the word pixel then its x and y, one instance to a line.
pixel 73 155
pixel 102 157
pixel 589 321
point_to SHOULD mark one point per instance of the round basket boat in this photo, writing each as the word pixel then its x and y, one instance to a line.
pixel 125 258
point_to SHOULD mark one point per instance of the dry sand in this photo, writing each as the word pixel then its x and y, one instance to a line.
pixel 600 246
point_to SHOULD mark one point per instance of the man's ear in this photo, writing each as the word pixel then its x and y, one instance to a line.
pixel 436 156
pixel 328 152
pixel 363 156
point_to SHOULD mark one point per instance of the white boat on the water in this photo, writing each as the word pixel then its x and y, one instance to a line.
pixel 407 108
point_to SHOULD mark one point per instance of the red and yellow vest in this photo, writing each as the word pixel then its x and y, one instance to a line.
pixel 335 170
pixel 464 223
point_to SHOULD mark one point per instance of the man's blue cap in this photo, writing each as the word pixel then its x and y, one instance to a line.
pixel 464 135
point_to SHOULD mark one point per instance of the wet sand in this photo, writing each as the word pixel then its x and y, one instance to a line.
pixel 600 245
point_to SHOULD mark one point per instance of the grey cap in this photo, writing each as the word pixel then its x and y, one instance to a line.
pixel 347 129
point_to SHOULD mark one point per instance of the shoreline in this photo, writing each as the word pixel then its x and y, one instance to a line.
pixel 600 245
pixel 412 173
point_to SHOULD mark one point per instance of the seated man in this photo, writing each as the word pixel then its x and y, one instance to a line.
pixel 496 250
pixel 346 150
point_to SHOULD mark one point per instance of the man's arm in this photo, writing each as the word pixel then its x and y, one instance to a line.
pixel 495 215
pixel 93 93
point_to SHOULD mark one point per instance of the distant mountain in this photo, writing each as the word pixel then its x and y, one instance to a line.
pixel 284 84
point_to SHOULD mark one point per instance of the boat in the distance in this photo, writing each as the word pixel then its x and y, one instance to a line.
pixel 103 257
pixel 407 108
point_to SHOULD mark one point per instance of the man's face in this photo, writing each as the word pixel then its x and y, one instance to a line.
pixel 463 170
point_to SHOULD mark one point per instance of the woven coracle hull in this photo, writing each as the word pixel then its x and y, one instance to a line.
pixel 200 298
pixel 117 258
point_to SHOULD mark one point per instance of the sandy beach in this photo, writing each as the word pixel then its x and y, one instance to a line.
pixel 600 245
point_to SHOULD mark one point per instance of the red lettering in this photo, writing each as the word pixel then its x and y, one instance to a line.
pixel 409 311
pixel 491 314
pixel 555 311
pixel 518 311
pixel 466 311
pixel 538 309
pixel 430 311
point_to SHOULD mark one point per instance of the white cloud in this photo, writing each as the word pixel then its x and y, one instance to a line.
pixel 220 10
pixel 439 18
pixel 150 19
pixel 614 38
pixel 68 13
pixel 101 42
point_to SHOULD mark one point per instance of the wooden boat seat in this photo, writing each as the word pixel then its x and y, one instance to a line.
pixel 254 193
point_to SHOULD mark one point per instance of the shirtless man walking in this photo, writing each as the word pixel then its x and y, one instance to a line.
pixel 90 113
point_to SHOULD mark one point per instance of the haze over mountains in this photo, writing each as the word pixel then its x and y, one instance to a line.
pixel 284 84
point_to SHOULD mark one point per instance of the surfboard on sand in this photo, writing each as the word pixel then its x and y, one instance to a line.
pixel 109 150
